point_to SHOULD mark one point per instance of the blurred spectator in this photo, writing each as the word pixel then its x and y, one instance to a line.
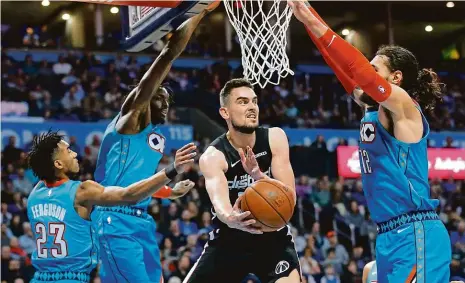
pixel 46 39
pixel 175 235
pixel 30 38
pixel 358 194
pixel 6 215
pixel 29 67
pixel 22 184
pixel 168 251
pixel 321 196
pixel 303 186
pixel 185 225
pixel 16 226
pixel 457 238
pixel 183 267
pixel 17 207
pixel 351 274
pixel 27 241
pixel 6 235
pixel 17 252
pixel 354 217
pixel 10 151
pixel 61 67
pixel 308 264
pixel 340 251
pixel 330 275
pixel 319 240
pixel 332 261
pixel 74 146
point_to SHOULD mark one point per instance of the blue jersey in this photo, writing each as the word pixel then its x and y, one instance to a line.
pixel 126 159
pixel 394 173
pixel 64 239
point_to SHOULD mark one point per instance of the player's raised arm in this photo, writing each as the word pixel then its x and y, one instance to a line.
pixel 137 101
pixel 392 97
pixel 91 193
pixel 213 165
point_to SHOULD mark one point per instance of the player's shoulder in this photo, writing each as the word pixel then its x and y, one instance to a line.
pixel 212 157
pixel 212 154
pixel 277 132
pixel 86 190
pixel 368 267
pixel 277 136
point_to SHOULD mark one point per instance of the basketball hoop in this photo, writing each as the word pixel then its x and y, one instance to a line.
pixel 262 36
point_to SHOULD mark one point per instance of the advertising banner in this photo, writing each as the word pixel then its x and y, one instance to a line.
pixel 443 163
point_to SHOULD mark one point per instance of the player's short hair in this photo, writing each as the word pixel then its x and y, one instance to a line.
pixel 41 156
pixel 230 85
pixel 422 84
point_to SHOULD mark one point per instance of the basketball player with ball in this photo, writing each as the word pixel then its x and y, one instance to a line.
pixel 251 209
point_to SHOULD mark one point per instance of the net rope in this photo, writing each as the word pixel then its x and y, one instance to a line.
pixel 262 35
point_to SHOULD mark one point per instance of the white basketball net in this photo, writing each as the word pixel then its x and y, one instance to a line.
pixel 261 26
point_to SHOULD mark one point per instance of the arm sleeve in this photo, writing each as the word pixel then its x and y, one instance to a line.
pixel 348 57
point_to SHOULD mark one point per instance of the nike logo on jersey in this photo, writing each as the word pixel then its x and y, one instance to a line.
pixel 256 156
pixel 234 164
pixel 402 230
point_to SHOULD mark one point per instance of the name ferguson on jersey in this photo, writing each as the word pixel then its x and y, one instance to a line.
pixel 48 209
pixel 244 181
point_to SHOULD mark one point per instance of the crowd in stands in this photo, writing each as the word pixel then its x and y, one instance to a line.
pixel 333 232
pixel 83 88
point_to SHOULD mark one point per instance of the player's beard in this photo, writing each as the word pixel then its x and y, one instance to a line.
pixel 244 128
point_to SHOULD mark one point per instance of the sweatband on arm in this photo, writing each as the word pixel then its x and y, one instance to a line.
pixel 171 172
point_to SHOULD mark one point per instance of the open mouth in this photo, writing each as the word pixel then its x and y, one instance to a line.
pixel 251 116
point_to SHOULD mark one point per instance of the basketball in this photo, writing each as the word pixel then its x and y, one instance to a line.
pixel 270 202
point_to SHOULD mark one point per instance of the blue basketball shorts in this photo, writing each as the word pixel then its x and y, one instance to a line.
pixel 128 246
pixel 417 251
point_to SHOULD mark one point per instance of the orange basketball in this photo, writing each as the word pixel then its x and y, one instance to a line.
pixel 270 202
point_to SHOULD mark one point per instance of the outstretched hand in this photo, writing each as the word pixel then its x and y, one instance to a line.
pixel 184 157
pixel 181 188
pixel 250 164
pixel 301 11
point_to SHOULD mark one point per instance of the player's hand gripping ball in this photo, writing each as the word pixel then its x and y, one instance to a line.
pixel 270 202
